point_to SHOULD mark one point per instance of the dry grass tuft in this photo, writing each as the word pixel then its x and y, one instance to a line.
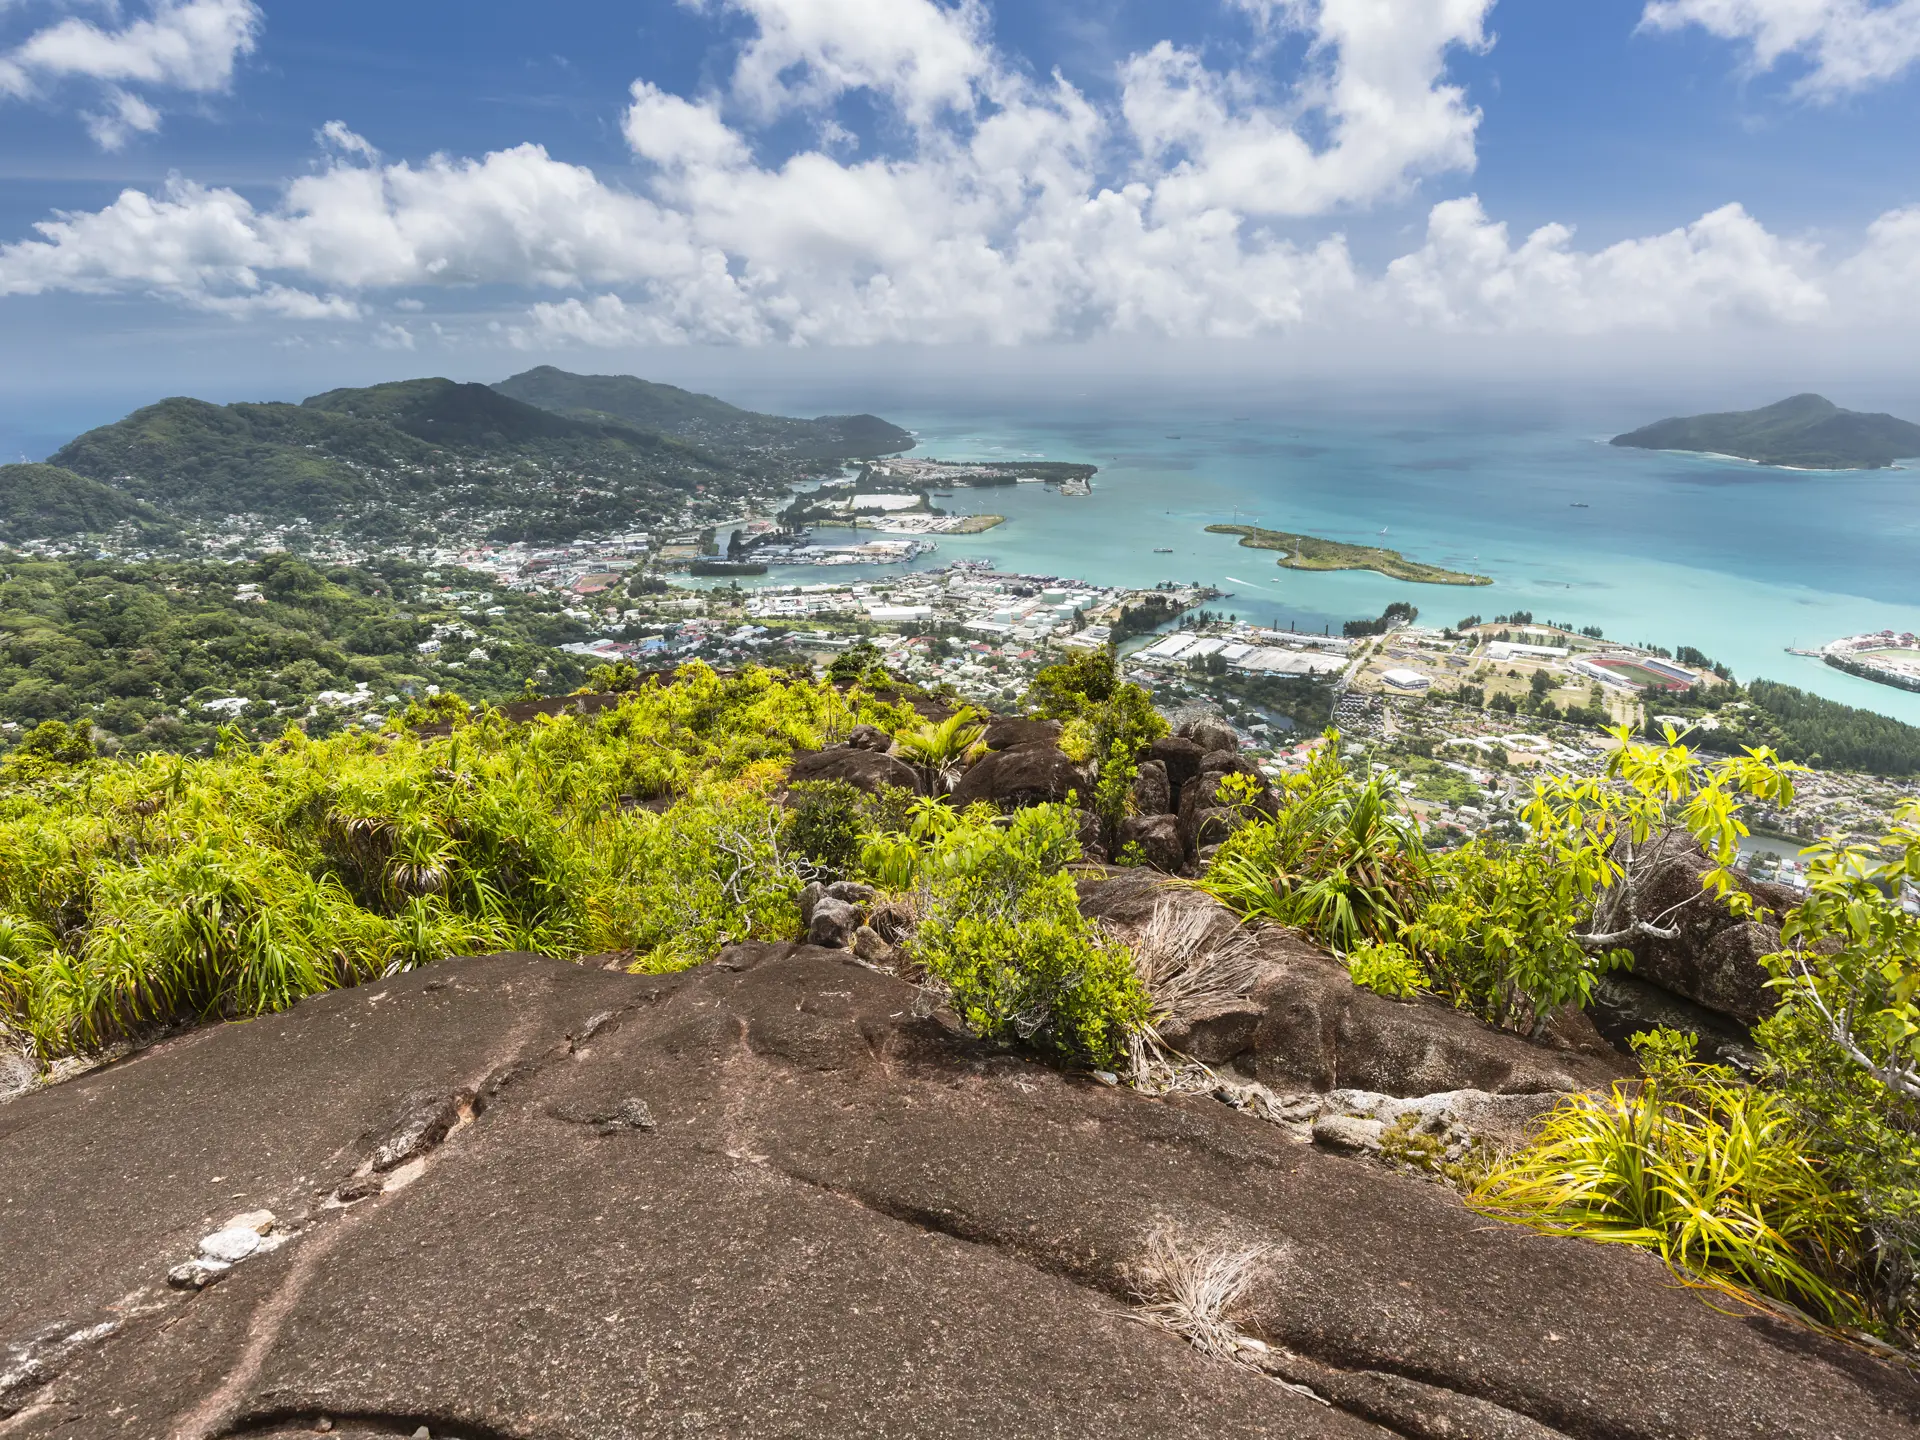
pixel 1190 1291
pixel 1185 964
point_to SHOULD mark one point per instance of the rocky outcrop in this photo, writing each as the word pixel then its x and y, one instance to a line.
pixel 765 1197
pixel 1010 732
pixel 870 737
pixel 1152 792
pixel 1296 1022
pixel 1210 732
pixel 867 769
pixel 1179 757
pixel 1029 775
pixel 1158 837
pixel 1715 961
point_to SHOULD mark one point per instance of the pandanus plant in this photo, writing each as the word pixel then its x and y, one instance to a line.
pixel 938 750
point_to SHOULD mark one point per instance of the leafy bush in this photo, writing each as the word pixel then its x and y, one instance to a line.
pixel 1386 970
pixel 1844 1046
pixel 826 825
pixel 1499 930
pixel 1339 860
pixel 1004 938
pixel 1713 1176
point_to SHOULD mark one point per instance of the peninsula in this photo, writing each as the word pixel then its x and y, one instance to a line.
pixel 1310 552
pixel 1803 432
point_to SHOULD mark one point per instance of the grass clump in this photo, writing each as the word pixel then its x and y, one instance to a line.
pixel 1339 860
pixel 1714 1176
pixel 140 892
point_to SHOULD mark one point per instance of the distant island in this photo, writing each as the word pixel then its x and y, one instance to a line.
pixel 1310 552
pixel 1803 432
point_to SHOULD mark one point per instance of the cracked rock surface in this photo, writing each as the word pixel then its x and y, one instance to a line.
pixel 764 1198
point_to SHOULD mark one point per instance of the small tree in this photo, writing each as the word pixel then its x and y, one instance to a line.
pixel 1594 830
pixel 1852 952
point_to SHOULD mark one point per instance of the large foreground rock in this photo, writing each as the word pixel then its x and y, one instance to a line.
pixel 762 1198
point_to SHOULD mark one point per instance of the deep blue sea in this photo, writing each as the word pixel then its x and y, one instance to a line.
pixel 1739 561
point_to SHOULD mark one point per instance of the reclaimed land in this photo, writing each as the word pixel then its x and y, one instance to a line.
pixel 1310 552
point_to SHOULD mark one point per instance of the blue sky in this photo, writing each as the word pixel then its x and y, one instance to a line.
pixel 471 186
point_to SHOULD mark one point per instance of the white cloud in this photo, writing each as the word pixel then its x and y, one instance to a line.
pixel 676 133
pixel 1847 45
pixel 1723 268
pixel 923 56
pixel 1882 280
pixel 1375 78
pixel 334 136
pixel 127 115
pixel 189 46
pixel 1010 209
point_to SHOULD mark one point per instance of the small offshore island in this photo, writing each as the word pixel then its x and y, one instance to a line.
pixel 1310 552
pixel 1802 432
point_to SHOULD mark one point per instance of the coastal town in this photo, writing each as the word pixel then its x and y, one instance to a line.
pixel 1884 656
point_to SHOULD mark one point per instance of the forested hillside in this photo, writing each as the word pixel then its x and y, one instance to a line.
pixel 400 462
pixel 413 461
pixel 1810 728
pixel 701 418
pixel 139 651
pixel 39 501
pixel 1805 431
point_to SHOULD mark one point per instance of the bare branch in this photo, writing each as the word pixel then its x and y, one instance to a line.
pixel 1902 1078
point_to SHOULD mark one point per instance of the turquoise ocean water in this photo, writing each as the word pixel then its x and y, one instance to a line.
pixel 1739 561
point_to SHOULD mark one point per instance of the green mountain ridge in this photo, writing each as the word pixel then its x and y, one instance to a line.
pixel 410 460
pixel 647 404
pixel 1803 431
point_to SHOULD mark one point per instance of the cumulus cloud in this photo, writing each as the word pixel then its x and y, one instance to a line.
pixel 1004 208
pixel 1376 77
pixel 1847 45
pixel 187 46
pixel 923 56
pixel 1724 267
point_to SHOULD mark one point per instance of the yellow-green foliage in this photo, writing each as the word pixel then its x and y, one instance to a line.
pixel 1386 969
pixel 1712 1175
pixel 1340 860
pixel 135 892
pixel 1004 937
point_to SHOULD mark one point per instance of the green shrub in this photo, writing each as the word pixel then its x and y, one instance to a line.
pixel 1499 932
pixel 1386 969
pixel 1339 860
pixel 140 891
pixel 1003 937
pixel 1867 1136
pixel 825 825
pixel 1100 709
